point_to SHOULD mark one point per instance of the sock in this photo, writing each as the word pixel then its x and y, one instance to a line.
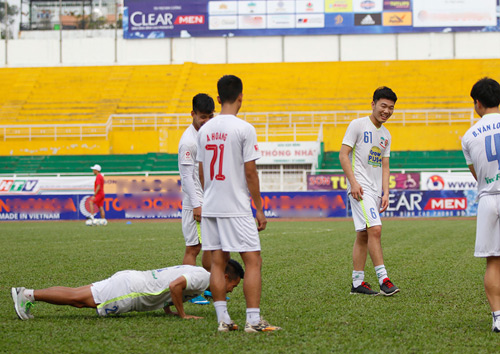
pixel 357 277
pixel 381 273
pixel 29 294
pixel 221 311
pixel 495 315
pixel 253 316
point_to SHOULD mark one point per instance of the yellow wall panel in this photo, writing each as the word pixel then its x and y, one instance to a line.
pixel 54 147
pixel 134 142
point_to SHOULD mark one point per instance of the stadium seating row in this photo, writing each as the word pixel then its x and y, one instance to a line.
pixel 440 159
pixel 54 164
pixel 168 162
pixel 91 94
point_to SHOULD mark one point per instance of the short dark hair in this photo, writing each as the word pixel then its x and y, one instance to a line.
pixel 486 91
pixel 234 270
pixel 203 103
pixel 229 88
pixel 384 92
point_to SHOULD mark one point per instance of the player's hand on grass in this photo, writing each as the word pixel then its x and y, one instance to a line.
pixel 191 317
pixel 261 220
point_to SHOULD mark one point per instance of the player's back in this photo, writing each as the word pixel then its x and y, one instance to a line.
pixel 225 143
pixel 481 145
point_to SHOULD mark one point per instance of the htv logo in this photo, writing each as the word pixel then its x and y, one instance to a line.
pixel 17 185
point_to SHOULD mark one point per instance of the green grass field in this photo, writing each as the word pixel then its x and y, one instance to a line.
pixel 306 282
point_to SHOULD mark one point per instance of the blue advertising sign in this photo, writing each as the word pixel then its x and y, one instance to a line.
pixel 442 203
pixel 205 18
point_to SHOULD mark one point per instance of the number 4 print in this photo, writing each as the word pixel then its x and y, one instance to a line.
pixel 213 147
pixel 489 152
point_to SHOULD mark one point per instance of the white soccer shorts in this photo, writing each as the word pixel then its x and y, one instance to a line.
pixel 234 234
pixel 488 226
pixel 113 295
pixel 365 213
pixel 190 228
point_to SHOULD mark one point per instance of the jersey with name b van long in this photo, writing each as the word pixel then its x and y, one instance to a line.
pixel 225 143
pixel 481 147
pixel 369 145
pixel 187 157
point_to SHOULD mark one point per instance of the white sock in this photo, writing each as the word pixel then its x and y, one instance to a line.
pixel 495 315
pixel 357 277
pixel 29 294
pixel 253 316
pixel 381 273
pixel 221 311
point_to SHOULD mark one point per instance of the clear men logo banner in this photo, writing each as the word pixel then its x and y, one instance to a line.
pixel 205 18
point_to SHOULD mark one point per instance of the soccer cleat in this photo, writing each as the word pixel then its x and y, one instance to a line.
pixel 22 305
pixel 227 327
pixel 496 325
pixel 262 326
pixel 199 300
pixel 388 288
pixel 364 289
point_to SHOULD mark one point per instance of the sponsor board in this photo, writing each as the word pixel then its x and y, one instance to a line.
pixel 199 18
pixel 306 152
pixel 339 181
pixel 431 203
pixel 447 181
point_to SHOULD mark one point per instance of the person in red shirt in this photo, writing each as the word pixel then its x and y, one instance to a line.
pixel 98 198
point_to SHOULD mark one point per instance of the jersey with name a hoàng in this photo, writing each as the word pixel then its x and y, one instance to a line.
pixel 369 145
pixel 225 143
pixel 481 147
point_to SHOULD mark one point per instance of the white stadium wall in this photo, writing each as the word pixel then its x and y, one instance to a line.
pixel 102 48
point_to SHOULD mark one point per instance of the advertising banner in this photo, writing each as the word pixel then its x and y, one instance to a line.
pixel 339 181
pixel 305 152
pixel 447 181
pixel 202 18
pixel 431 203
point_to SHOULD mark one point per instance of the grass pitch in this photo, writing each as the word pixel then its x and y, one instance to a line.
pixel 306 282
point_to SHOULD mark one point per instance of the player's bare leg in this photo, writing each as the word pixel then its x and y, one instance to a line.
pixel 218 289
pixel 103 215
pixel 359 254
pixel 492 282
pixel 375 245
pixel 206 260
pixel 191 253
pixel 60 295
pixel 252 285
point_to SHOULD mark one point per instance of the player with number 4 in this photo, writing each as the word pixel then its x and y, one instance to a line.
pixel 226 150
pixel 364 157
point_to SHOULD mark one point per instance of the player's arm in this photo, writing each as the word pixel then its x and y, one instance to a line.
pixel 176 287
pixel 189 187
pixel 202 176
pixel 252 178
pixel 386 172
pixel 97 189
pixel 345 162
pixel 473 171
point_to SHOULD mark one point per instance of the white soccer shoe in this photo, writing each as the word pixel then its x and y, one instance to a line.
pixel 495 327
pixel 22 304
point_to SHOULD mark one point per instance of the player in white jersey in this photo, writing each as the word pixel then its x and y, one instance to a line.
pixel 481 147
pixel 364 157
pixel 203 110
pixel 131 290
pixel 227 150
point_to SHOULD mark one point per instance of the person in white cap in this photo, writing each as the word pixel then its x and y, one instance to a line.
pixel 98 198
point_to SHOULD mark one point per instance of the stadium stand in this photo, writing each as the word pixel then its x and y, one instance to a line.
pixel 440 159
pixel 92 94
pixel 69 164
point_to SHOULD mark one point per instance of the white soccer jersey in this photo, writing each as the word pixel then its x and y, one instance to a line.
pixel 369 145
pixel 132 290
pixel 191 186
pixel 225 143
pixel 481 147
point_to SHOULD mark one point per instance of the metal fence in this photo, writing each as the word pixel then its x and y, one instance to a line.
pixel 290 126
